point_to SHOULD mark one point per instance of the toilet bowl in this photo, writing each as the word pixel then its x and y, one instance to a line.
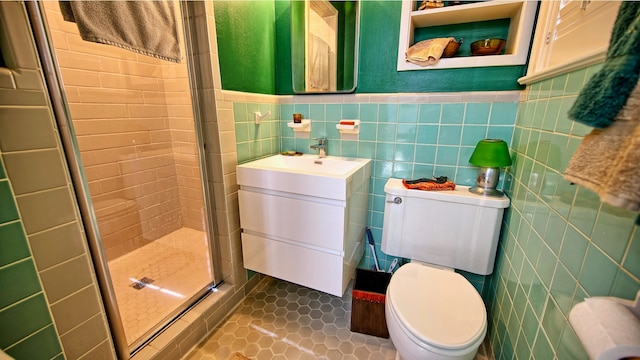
pixel 434 314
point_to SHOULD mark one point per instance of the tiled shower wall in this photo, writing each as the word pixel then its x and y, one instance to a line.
pixel 133 119
pixel 560 244
pixel 407 136
pixel 49 303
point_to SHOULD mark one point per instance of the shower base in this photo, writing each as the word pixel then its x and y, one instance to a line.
pixel 153 281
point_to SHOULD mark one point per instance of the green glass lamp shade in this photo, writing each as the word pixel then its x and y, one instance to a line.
pixel 491 153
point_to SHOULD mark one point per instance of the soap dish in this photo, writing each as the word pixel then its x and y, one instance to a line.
pixel 304 126
pixel 348 126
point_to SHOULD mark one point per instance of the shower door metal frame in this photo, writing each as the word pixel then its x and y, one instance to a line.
pixel 57 96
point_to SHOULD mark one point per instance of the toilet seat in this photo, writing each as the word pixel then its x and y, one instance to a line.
pixel 438 308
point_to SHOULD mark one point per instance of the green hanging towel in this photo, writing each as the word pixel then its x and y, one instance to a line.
pixel 604 95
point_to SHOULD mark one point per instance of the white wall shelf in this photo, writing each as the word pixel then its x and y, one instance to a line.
pixel 304 126
pixel 520 12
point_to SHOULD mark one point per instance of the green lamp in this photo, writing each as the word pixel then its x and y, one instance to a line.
pixel 490 155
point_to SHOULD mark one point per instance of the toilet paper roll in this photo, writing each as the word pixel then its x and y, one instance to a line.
pixel 607 329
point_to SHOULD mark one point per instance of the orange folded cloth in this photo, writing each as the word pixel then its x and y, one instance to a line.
pixel 426 185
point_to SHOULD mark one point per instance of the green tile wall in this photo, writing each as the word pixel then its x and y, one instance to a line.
pixel 405 140
pixel 559 244
pixel 26 328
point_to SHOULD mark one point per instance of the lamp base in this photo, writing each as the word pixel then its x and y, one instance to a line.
pixel 486 192
pixel 487 181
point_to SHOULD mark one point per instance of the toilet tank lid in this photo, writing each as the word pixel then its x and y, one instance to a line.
pixel 460 195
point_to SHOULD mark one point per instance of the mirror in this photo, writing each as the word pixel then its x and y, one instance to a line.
pixel 324 46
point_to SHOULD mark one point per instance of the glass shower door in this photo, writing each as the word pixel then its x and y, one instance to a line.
pixel 133 122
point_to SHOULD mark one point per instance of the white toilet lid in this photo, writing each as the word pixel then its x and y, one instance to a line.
pixel 440 307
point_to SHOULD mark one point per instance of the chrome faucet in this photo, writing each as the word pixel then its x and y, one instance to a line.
pixel 321 146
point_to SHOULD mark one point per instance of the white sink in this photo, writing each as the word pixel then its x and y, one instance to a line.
pixel 328 177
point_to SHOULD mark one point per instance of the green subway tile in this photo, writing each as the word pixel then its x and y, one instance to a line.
pixel 18 281
pixel 625 286
pixel 13 243
pixel 472 134
pixel 42 345
pixel 545 87
pixel 520 302
pixel 366 149
pixel 368 132
pixel 574 248
pixel 556 149
pixel 523 351
pixel 542 348
pixel 563 123
pixel 429 113
pixel 402 170
pixel 304 110
pixel 23 319
pixel 579 296
pixel 333 113
pixel 557 85
pixel 450 135
pixel 406 133
pixel 387 132
pixel 420 171
pixel 447 155
pixel 631 261
pixel 585 210
pixel 503 113
pixel 369 113
pixel 242 132
pixel 555 232
pixel 444 170
pixel 244 153
pixel 381 168
pixel 565 193
pixel 351 111
pixel 478 113
pixel 546 265
pixel 530 324
pixel 613 230
pixel 551 114
pixel 384 151
pixel 553 322
pixel 540 218
pixel 240 112
pixel 408 113
pixel 427 134
pixel 316 112
pixel 404 152
pixel 570 346
pixel 538 296
pixel 598 273
pixel 538 115
pixel 575 82
pixel 562 288
pixel 464 154
pixel 452 114
pixel 8 210
pixel 387 113
pixel 544 146
pixel 500 132
pixel 425 154
pixel 579 129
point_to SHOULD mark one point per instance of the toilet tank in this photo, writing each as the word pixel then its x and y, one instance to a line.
pixel 456 229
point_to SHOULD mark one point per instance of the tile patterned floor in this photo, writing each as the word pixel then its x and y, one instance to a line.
pixel 280 320
pixel 178 264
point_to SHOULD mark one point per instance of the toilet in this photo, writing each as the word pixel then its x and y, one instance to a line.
pixel 433 312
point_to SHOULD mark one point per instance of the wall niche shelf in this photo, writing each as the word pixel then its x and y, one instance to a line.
pixel 520 12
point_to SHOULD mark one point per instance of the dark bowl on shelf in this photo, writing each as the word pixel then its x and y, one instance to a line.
pixel 487 47
pixel 451 49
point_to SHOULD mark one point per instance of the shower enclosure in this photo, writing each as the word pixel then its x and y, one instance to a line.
pixel 131 120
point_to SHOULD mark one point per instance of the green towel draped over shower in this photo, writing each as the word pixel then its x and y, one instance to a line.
pixel 604 95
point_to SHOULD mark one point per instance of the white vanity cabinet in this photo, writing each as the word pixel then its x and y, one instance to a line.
pixel 311 240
